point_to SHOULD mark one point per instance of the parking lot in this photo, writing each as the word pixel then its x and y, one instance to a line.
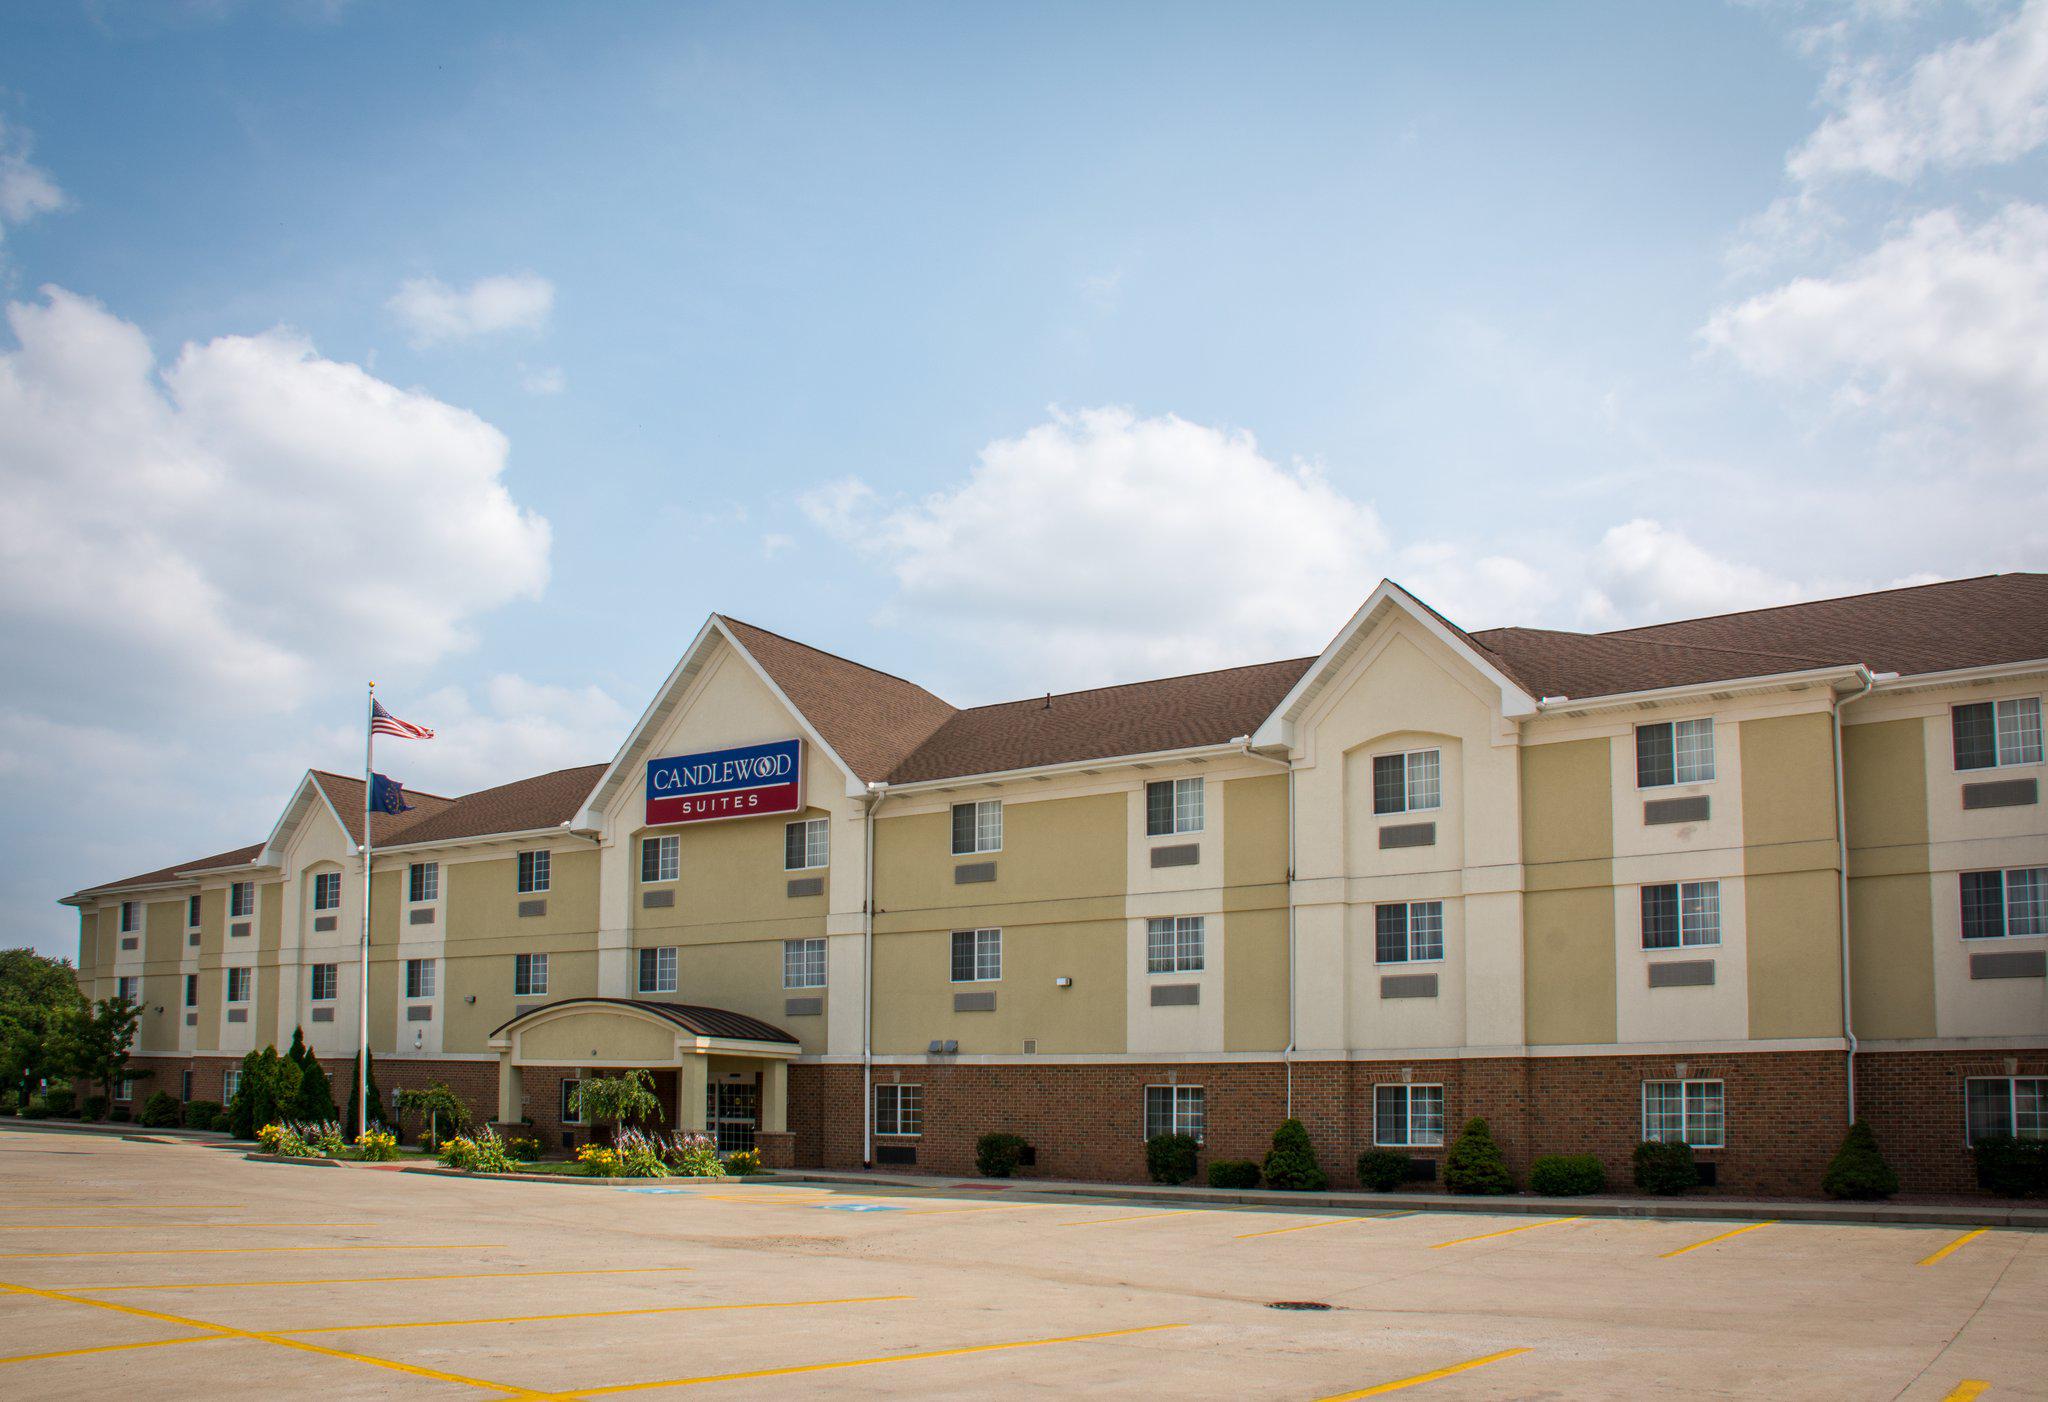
pixel 181 1270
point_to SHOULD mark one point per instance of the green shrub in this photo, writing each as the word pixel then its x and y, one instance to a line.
pixel 223 1121
pixel 268 1092
pixel 377 1146
pixel 996 1155
pixel 36 1109
pixel 693 1155
pixel 1475 1163
pixel 61 1102
pixel 10 1102
pixel 1665 1167
pixel 1566 1175
pixel 93 1107
pixel 524 1148
pixel 742 1162
pixel 1291 1163
pixel 314 1102
pixel 2012 1168
pixel 1382 1170
pixel 1858 1171
pixel 200 1114
pixel 1233 1173
pixel 162 1110
pixel 1170 1158
pixel 120 1114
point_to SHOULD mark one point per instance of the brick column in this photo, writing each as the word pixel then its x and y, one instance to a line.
pixel 777 1148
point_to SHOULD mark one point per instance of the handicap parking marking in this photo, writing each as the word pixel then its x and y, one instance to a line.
pixel 852 1206
pixel 665 1192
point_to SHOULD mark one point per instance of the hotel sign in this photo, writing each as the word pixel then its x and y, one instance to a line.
pixel 748 782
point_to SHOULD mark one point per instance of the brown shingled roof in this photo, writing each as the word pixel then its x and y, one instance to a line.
pixel 544 801
pixel 871 719
pixel 164 876
pixel 346 794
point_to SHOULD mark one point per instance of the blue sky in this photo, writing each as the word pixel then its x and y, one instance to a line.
pixel 486 348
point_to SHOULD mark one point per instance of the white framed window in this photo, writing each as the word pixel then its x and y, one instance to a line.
pixel 572 1113
pixel 1175 1110
pixel 1173 805
pixel 803 963
pixel 806 844
pixel 658 970
pixel 1674 752
pixel 1681 914
pixel 423 882
pixel 2009 904
pixel 978 827
pixel 192 912
pixel 128 989
pixel 661 857
pixel 419 978
pixel 533 872
pixel 1408 932
pixel 230 1082
pixel 241 898
pixel 529 975
pixel 899 1110
pixel 326 981
pixel 1410 782
pixel 238 985
pixel 977 956
pixel 1174 944
pixel 191 995
pixel 124 1089
pixel 2006 1107
pixel 327 890
pixel 131 916
pixel 1689 1112
pixel 1408 1117
pixel 1994 734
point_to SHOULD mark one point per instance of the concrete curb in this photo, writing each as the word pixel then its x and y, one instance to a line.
pixel 582 1178
pixel 1969 1215
pixel 162 1134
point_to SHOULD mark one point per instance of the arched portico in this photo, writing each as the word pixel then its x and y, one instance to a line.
pixel 615 1034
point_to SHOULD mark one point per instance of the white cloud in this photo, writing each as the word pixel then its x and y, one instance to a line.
pixel 776 543
pixel 1646 572
pixel 239 526
pixel 509 728
pixel 546 379
pixel 433 312
pixel 1973 102
pixel 26 189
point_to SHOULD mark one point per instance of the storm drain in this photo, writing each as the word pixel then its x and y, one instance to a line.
pixel 1297 1305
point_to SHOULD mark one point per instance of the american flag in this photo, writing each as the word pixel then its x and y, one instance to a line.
pixel 382 722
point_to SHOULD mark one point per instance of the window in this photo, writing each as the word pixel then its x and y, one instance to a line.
pixel 803 963
pixel 1991 734
pixel 977 956
pixel 2000 1107
pixel 1173 805
pixel 1681 914
pixel 661 858
pixel 1674 752
pixel 230 1082
pixel 1683 1111
pixel 1174 1110
pixel 326 979
pixel 533 872
pixel 131 915
pixel 1173 944
pixel 1408 1116
pixel 1407 783
pixel 124 1089
pixel 1408 932
pixel 238 985
pixel 529 975
pixel 128 989
pixel 899 1109
pixel 184 1085
pixel 808 844
pixel 423 882
pixel 191 995
pixel 327 891
pixel 191 912
pixel 658 970
pixel 2005 904
pixel 978 827
pixel 571 1112
pixel 419 978
pixel 241 899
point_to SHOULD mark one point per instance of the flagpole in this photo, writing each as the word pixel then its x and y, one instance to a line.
pixel 363 992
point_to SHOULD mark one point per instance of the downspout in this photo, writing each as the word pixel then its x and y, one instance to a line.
pixel 1842 878
pixel 876 793
pixel 1287 1055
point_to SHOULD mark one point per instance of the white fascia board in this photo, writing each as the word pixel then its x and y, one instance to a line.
pixel 1636 700
pixel 1071 766
pixel 1961 676
pixel 272 854
pixel 1277 729
pixel 686 667
pixel 481 839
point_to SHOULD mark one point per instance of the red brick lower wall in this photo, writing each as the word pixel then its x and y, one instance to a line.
pixel 1914 1103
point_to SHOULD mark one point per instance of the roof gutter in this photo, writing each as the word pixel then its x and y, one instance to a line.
pixel 1626 700
pixel 1072 766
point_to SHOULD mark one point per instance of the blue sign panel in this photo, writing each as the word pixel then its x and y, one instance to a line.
pixel 746 782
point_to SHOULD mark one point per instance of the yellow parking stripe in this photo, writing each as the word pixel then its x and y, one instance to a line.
pixel 252 1250
pixel 164 1226
pixel 593 1314
pixel 367 1279
pixel 1311 1226
pixel 1964 1240
pixel 1400 1383
pixel 857 1362
pixel 1141 1217
pixel 1967 1389
pixel 110 1348
pixel 1506 1231
pixel 1712 1239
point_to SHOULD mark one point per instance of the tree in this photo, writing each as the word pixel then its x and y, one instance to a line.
pixel 97 1042
pixel 1291 1163
pixel 269 1090
pixel 435 1105
pixel 38 995
pixel 1475 1163
pixel 315 1103
pixel 616 1100
pixel 348 1111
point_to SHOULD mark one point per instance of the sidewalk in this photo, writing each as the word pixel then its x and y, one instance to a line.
pixel 1991 1213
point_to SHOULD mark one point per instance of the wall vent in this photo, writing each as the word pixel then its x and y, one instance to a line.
pixel 2014 963
pixel 803 1007
pixel 657 900
pixel 193 939
pixel 323 1014
pixel 1408 835
pixel 420 1012
pixel 897 1154
pixel 1408 985
pixel 807 886
pixel 1030 1046
pixel 974 1002
pixel 1682 973
pixel 533 908
pixel 969 873
pixel 1176 995
pixel 238 1014
pixel 323 924
pixel 1696 809
pixel 1180 854
pixel 191 1019
pixel 421 917
pixel 2005 793
pixel 130 942
pixel 240 929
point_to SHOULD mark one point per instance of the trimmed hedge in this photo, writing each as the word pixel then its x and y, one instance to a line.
pixel 1233 1173
pixel 2013 1168
pixel 996 1155
pixel 162 1110
pixel 1566 1176
pixel 200 1114
pixel 94 1107
pixel 1475 1163
pixel 1291 1163
pixel 1665 1167
pixel 1170 1158
pixel 1382 1170
pixel 1858 1171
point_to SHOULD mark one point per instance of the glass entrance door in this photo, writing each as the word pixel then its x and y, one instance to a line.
pixel 732 1110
